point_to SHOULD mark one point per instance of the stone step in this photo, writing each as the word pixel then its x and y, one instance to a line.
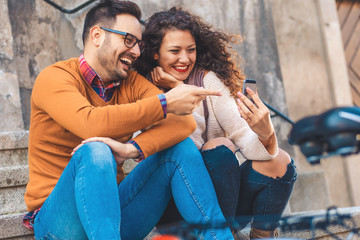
pixel 14 139
pixel 12 200
pixel 13 170
pixel 13 148
pixel 14 176
pixel 11 227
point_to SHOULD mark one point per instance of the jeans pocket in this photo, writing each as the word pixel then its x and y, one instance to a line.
pixel 48 236
pixel 41 232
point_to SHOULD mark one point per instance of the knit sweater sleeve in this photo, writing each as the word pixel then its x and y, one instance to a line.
pixel 57 93
pixel 228 117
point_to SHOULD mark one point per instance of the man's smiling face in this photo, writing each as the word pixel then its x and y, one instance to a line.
pixel 113 55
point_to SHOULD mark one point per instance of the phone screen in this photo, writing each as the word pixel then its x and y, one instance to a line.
pixel 250 83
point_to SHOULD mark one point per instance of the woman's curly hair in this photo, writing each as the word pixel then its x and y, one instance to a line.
pixel 212 46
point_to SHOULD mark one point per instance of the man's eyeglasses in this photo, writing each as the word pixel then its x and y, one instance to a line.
pixel 130 40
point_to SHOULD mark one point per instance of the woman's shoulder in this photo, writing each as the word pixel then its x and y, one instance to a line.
pixel 210 76
pixel 209 73
pixel 212 81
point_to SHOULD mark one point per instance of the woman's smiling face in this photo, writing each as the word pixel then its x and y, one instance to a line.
pixel 177 53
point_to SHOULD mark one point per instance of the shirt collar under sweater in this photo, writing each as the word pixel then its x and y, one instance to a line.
pixel 95 80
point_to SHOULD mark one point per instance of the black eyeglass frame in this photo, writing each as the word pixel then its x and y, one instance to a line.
pixel 141 43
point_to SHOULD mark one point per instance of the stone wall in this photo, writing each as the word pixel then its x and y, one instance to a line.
pixel 314 74
pixel 10 107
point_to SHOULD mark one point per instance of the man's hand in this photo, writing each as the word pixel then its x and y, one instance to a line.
pixel 121 151
pixel 164 80
pixel 183 99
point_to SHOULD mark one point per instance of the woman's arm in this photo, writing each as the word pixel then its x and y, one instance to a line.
pixel 228 117
pixel 257 115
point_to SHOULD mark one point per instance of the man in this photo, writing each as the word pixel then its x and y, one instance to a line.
pixel 96 95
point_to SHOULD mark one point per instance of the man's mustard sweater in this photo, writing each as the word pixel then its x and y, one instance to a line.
pixel 65 110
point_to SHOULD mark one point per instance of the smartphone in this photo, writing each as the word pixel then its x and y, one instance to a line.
pixel 250 83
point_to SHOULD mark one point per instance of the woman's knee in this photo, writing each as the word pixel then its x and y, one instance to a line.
pixel 284 157
pixel 215 142
pixel 276 167
pixel 220 155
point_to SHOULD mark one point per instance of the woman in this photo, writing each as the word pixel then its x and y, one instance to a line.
pixel 180 49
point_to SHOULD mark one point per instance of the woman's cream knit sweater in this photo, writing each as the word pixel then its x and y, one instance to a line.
pixel 225 121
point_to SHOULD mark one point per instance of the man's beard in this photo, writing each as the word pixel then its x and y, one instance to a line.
pixel 114 71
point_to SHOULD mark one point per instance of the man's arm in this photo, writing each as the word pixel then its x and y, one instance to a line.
pixel 121 151
pixel 58 94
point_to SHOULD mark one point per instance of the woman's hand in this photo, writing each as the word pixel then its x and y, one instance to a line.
pixel 256 114
pixel 164 80
pixel 121 151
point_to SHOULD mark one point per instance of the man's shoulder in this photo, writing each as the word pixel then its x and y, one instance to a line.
pixel 59 73
pixel 70 65
pixel 62 69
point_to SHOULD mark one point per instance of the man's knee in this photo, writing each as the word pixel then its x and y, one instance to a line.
pixel 213 143
pixel 183 147
pixel 98 154
pixel 184 152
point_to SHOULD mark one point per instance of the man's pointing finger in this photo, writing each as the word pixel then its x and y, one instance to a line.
pixel 207 92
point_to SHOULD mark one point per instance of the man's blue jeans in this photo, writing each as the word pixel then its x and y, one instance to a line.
pixel 87 203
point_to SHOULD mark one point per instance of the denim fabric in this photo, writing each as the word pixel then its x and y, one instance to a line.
pixel 264 197
pixel 243 192
pixel 87 203
pixel 225 176
pixel 223 168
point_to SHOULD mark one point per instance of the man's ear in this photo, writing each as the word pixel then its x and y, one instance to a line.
pixel 156 56
pixel 97 36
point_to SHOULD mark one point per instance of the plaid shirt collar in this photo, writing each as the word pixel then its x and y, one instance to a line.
pixel 87 71
pixel 95 80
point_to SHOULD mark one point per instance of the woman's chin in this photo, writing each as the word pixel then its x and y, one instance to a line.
pixel 181 77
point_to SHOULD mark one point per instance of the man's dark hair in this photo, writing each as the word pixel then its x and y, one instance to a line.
pixel 104 14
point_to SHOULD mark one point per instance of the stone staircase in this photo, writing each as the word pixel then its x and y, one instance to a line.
pixel 14 177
